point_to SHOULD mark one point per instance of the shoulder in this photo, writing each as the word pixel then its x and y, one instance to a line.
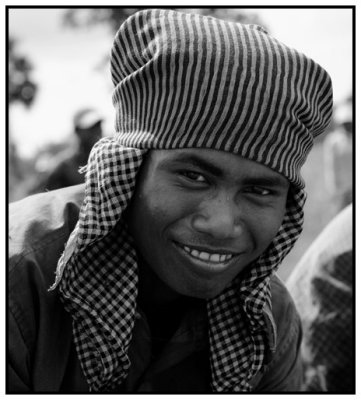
pixel 282 302
pixel 285 315
pixel 34 217
pixel 39 226
pixel 283 370
pixel 327 264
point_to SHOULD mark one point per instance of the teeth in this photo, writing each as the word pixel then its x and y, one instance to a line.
pixel 202 255
pixel 215 258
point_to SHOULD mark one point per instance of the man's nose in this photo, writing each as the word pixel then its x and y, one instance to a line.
pixel 220 218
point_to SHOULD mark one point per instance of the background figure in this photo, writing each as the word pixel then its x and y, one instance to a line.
pixel 338 157
pixel 321 285
pixel 88 130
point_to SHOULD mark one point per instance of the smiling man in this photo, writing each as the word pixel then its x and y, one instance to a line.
pixel 167 281
pixel 207 214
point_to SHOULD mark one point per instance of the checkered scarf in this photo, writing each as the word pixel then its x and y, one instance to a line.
pixel 98 282
pixel 188 81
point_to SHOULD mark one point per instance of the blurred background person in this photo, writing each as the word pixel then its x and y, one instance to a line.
pixel 87 124
pixel 338 159
pixel 322 286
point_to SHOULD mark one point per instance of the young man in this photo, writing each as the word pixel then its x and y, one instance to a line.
pixel 166 283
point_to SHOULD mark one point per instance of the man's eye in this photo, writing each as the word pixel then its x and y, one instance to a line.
pixel 259 190
pixel 194 176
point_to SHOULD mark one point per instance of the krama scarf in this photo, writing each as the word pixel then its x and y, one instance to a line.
pixel 189 81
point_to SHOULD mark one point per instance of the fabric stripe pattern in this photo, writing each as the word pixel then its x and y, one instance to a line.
pixel 219 85
pixel 189 81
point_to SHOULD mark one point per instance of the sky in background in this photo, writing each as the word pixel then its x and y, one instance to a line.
pixel 66 64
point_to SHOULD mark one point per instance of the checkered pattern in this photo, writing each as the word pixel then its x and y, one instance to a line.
pixel 99 285
pixel 237 328
pixel 98 282
pixel 187 81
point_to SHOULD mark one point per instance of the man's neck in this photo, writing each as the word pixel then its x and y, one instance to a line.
pixel 163 307
pixel 153 292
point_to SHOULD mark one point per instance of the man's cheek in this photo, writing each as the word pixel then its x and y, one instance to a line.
pixel 268 235
pixel 170 205
pixel 265 227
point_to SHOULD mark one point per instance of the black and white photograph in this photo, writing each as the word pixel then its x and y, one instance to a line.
pixel 179 198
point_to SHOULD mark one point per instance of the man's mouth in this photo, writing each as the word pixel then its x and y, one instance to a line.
pixel 206 256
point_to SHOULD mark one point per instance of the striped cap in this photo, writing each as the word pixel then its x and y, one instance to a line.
pixel 186 80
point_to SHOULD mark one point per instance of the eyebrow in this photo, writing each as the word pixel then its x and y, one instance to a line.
pixel 269 181
pixel 197 162
pixel 273 180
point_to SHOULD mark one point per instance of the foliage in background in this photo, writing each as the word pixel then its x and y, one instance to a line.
pixel 113 17
pixel 21 87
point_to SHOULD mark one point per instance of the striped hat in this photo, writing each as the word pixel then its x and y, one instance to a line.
pixel 186 80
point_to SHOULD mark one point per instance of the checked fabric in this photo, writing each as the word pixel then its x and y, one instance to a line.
pixel 97 275
pixel 188 81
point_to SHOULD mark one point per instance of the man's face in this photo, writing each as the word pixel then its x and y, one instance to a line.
pixel 200 216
